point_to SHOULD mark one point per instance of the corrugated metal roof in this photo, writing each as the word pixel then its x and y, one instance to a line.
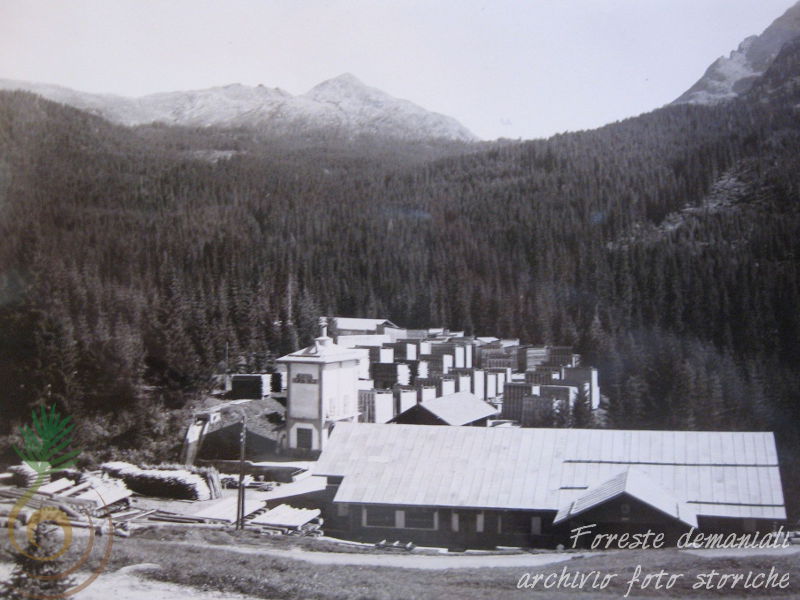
pixel 459 408
pixel 546 469
pixel 636 483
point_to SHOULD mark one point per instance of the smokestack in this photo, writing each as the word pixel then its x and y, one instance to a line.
pixel 323 327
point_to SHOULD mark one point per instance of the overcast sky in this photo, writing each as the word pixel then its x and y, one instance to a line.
pixel 503 68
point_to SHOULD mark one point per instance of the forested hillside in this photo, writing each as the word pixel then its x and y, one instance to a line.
pixel 664 247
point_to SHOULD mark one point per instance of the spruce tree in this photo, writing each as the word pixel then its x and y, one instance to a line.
pixel 34 574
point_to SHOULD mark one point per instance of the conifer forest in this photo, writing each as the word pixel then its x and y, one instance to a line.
pixel 135 263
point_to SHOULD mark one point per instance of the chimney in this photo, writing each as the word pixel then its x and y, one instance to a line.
pixel 323 327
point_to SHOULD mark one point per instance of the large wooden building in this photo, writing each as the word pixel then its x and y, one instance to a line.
pixel 482 487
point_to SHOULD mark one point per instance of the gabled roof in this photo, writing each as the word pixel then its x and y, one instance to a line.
pixel 635 483
pixel 460 408
pixel 725 474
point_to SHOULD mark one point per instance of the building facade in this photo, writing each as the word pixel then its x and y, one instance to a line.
pixel 322 390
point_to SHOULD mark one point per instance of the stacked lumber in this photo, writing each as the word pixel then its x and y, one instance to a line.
pixel 289 520
pixel 210 474
pixel 88 497
pixel 225 510
pixel 84 504
pixel 162 483
pixel 24 475
pixel 170 517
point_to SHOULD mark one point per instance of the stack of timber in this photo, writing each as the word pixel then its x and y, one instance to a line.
pixel 286 519
pixel 24 475
pixel 166 481
pixel 86 504
pixel 224 511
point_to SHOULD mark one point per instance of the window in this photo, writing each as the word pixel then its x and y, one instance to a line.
pixel 519 523
pixel 479 522
pixel 342 510
pixel 378 516
pixel 304 438
pixel 420 518
pixel 536 525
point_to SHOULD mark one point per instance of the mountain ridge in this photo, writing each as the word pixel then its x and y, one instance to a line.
pixel 342 105
pixel 728 77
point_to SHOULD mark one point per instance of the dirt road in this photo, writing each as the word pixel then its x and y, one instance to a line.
pixel 408 561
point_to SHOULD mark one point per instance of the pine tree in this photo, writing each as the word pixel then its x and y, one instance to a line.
pixel 34 574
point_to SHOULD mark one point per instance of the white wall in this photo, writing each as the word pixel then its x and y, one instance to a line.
pixel 479 383
pixel 448 387
pixel 340 389
pixel 408 398
pixel 460 357
pixel 303 397
pixel 384 406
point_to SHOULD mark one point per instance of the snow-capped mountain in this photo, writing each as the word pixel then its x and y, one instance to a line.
pixel 343 106
pixel 729 77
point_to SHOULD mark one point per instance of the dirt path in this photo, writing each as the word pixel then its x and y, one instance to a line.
pixel 407 561
pixel 126 584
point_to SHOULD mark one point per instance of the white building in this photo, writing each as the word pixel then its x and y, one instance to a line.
pixel 322 390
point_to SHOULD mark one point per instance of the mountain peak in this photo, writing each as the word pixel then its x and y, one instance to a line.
pixel 730 76
pixel 345 79
pixel 345 85
pixel 343 105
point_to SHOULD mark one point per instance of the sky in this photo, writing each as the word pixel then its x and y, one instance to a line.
pixel 504 68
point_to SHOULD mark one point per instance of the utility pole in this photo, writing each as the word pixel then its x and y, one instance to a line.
pixel 240 494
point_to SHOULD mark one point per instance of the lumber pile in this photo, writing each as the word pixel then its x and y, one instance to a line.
pixel 85 504
pixel 161 483
pixel 289 520
pixel 24 475
pixel 168 480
